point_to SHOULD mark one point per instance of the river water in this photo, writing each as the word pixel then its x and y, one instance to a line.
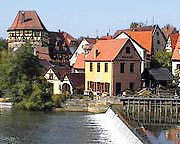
pixel 68 128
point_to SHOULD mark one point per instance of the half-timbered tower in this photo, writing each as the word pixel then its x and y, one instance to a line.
pixel 27 27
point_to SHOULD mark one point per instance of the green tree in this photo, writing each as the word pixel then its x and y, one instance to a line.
pixel 136 24
pixel 3 44
pixel 162 59
pixel 22 82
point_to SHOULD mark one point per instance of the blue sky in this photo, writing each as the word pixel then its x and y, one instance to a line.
pixel 92 17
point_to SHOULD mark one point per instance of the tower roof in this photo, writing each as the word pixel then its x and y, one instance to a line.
pixel 27 20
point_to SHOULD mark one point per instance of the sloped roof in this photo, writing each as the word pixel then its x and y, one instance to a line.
pixel 91 40
pixel 144 38
pixel 161 74
pixel 137 29
pixel 77 80
pixel 105 38
pixel 27 20
pixel 168 31
pixel 43 53
pixel 174 39
pixel 176 54
pixel 107 50
pixel 68 38
pixel 61 72
pixel 80 63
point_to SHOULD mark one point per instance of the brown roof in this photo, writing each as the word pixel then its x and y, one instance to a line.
pixel 77 80
pixel 61 72
pixel 137 29
pixel 168 30
pixel 91 40
pixel 27 20
pixel 43 53
pixel 80 63
pixel 107 50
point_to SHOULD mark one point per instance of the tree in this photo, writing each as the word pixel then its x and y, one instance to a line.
pixel 3 44
pixel 136 24
pixel 161 59
pixel 20 80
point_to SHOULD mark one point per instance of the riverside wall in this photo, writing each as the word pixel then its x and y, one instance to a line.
pixel 93 106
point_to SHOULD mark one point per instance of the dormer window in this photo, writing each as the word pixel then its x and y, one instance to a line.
pixel 179 51
pixel 128 50
pixel 96 53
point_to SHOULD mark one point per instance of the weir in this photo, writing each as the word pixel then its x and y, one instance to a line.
pixel 126 134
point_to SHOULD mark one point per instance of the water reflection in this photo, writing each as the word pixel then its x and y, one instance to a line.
pixel 53 128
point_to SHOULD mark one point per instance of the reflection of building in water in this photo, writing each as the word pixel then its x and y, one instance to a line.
pixel 173 135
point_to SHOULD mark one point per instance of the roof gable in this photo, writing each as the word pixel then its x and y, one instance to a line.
pixel 27 20
pixel 106 50
pixel 80 63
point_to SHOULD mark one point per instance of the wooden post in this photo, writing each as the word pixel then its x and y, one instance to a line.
pixel 150 111
pixel 138 109
pixel 160 112
pixel 171 110
pixel 165 111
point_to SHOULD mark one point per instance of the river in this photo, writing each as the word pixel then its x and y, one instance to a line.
pixel 67 128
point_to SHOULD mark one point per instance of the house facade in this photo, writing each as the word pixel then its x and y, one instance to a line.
pixel 149 37
pixel 83 48
pixel 176 58
pixel 111 67
pixel 141 51
pixel 55 76
pixel 171 42
pixel 27 27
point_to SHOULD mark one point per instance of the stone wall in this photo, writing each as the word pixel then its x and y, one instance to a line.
pixel 93 106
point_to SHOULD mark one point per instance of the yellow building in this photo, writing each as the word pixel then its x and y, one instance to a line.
pixel 111 67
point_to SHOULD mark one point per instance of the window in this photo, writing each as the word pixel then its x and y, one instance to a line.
pixel 106 67
pixel 157 33
pixel 122 67
pixel 131 86
pixel 128 50
pixel 107 87
pixel 50 76
pixel 178 66
pixel 98 67
pixel 131 67
pixel 97 53
pixel 91 67
pixel 158 41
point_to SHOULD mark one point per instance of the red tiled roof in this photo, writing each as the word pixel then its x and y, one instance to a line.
pixel 68 38
pixel 144 38
pixel 106 38
pixel 168 31
pixel 107 50
pixel 174 38
pixel 80 63
pixel 176 54
pixel 137 29
pixel 27 20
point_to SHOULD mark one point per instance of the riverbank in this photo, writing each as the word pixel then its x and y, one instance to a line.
pixel 92 106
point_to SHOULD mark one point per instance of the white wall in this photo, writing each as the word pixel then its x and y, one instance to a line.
pixel 174 66
pixel 168 47
pixel 79 50
pixel 66 81
pixel 55 81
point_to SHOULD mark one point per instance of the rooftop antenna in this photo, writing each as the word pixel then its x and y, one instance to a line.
pixel 146 22
pixel 153 21
pixel 97 35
